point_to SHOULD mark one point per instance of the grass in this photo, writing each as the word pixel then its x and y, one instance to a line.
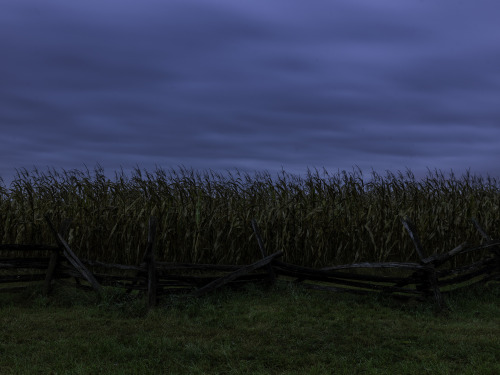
pixel 317 220
pixel 285 330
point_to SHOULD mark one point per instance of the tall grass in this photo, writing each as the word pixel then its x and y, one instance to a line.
pixel 318 219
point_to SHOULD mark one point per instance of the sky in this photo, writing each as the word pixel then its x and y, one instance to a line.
pixel 251 85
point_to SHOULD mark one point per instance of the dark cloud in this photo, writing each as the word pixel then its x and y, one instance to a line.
pixel 254 85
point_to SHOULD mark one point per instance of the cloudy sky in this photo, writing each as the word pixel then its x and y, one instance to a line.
pixel 253 85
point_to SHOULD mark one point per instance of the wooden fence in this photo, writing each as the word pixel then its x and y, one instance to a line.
pixel 21 264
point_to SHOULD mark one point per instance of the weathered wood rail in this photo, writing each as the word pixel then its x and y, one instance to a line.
pixel 21 264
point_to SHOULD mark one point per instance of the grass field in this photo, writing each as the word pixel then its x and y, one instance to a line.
pixel 285 330
pixel 317 220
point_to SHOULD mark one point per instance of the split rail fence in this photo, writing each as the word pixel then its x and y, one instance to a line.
pixel 22 264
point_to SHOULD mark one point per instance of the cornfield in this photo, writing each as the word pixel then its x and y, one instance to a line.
pixel 204 217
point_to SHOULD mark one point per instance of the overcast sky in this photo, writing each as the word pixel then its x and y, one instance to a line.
pixel 250 84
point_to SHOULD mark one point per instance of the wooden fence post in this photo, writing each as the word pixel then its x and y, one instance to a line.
pixel 54 258
pixel 151 265
pixel 272 275
pixel 429 273
pixel 486 236
pixel 73 259
pixel 495 250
